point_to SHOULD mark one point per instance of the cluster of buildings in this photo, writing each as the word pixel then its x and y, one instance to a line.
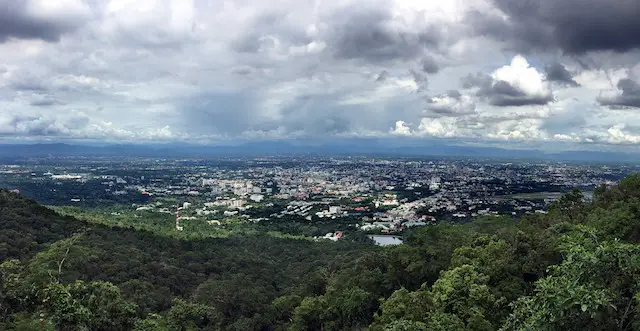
pixel 381 194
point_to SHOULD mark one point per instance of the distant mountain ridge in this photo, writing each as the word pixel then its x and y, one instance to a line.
pixel 288 148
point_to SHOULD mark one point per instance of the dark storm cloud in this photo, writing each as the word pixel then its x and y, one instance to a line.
pixel 629 95
pixel 557 73
pixel 429 65
pixel 370 33
pixel 501 93
pixel 574 26
pixel 16 22
pixel 382 76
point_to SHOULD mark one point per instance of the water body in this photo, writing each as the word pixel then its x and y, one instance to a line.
pixel 386 240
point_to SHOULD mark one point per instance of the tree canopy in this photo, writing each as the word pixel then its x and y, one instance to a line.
pixel 575 268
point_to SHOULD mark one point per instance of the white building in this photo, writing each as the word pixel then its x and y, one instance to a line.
pixel 236 203
pixel 208 182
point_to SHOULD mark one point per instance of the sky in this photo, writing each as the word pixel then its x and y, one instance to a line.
pixel 492 72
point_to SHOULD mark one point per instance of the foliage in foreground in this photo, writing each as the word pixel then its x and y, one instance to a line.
pixel 575 268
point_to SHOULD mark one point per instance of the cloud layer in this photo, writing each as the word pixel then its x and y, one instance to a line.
pixel 476 71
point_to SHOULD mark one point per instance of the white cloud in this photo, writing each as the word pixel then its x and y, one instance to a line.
pixel 61 10
pixel 618 135
pixel 439 127
pixel 401 129
pixel 522 76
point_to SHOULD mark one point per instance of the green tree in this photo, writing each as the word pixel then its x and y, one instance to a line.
pixel 153 322
pixel 571 207
pixel 459 299
pixel 187 316
pixel 406 305
pixel 92 306
pixel 28 322
pixel 463 291
pixel 594 288
pixel 309 315
pixel 284 306
pixel 497 259
pixel 237 295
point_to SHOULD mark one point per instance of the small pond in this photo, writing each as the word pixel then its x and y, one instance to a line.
pixel 382 240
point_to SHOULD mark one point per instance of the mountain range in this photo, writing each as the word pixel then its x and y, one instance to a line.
pixel 274 148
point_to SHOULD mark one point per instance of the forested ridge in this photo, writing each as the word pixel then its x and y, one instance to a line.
pixel 575 268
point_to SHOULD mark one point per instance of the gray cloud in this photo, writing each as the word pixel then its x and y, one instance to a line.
pixel 243 70
pixel 451 103
pixel 370 33
pixel 365 30
pixel 45 101
pixel 382 76
pixel 41 126
pixel 476 80
pixel 568 121
pixel 454 94
pixel 629 95
pixel 501 93
pixel 556 72
pixel 27 81
pixel 294 113
pixel 265 29
pixel 224 114
pixel 18 22
pixel 421 79
pixel 574 26
pixel 429 65
pixel 32 126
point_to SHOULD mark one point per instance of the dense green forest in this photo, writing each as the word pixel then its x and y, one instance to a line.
pixel 575 268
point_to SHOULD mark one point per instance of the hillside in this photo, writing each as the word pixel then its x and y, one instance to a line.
pixel 576 267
